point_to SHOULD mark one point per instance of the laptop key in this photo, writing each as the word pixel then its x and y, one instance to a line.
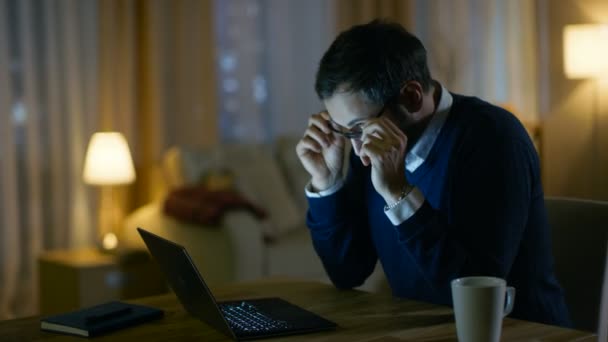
pixel 245 317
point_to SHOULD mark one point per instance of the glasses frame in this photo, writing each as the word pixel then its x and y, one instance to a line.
pixel 356 135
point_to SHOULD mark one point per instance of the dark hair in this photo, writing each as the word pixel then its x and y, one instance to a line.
pixel 376 58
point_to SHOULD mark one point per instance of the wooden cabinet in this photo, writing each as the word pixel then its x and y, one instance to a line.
pixel 72 279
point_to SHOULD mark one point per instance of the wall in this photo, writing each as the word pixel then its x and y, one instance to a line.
pixel 575 153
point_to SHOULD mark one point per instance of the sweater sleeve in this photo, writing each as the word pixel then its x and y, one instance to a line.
pixel 488 196
pixel 341 236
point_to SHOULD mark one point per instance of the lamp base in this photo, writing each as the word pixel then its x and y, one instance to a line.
pixel 108 243
pixel 110 218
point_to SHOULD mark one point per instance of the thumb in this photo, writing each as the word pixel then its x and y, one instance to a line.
pixel 365 160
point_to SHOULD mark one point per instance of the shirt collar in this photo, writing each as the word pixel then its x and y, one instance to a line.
pixel 419 153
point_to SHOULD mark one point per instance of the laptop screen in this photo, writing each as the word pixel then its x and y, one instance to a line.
pixel 185 280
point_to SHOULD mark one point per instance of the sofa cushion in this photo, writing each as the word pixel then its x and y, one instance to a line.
pixel 211 250
pixel 257 176
pixel 198 204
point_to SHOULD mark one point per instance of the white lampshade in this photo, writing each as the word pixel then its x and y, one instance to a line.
pixel 108 160
pixel 586 51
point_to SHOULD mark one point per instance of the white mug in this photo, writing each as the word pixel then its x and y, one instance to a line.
pixel 479 307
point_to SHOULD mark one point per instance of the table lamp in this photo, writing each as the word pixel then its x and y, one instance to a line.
pixel 586 51
pixel 107 164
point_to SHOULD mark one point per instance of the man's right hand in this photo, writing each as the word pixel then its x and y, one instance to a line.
pixel 321 152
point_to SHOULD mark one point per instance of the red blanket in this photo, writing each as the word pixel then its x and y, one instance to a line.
pixel 199 205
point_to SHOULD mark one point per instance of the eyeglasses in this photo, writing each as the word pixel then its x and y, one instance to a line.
pixel 354 132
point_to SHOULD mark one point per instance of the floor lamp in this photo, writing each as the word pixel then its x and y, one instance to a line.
pixel 586 57
pixel 108 164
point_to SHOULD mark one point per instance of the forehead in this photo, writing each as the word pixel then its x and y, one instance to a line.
pixel 344 107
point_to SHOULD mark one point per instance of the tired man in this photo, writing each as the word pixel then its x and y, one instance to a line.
pixel 439 185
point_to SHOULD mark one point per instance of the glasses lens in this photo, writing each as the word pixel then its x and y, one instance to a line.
pixel 355 132
pixel 352 133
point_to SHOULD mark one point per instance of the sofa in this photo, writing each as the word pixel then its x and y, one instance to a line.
pixel 241 247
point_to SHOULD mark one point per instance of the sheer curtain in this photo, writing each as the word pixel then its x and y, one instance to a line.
pixel 267 55
pixel 73 67
pixel 352 12
pixel 47 112
pixel 268 51
pixel 485 48
pixel 157 80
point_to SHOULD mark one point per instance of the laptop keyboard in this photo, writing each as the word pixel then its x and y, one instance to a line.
pixel 244 317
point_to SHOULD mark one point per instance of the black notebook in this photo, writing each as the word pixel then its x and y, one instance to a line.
pixel 100 319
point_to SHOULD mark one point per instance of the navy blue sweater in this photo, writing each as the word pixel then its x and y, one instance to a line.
pixel 484 214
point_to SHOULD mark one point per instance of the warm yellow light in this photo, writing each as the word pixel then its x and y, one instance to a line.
pixel 109 242
pixel 586 51
pixel 108 160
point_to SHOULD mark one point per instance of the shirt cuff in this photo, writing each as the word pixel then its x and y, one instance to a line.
pixel 332 190
pixel 406 208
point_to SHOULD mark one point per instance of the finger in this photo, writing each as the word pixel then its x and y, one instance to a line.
pixel 398 134
pixel 388 126
pixel 379 142
pixel 323 121
pixel 380 124
pixel 328 121
pixel 378 130
pixel 372 127
pixel 319 121
pixel 306 145
pixel 318 135
pixel 365 160
pixel 361 153
pixel 363 157
pixel 391 127
pixel 325 115
pixel 391 132
pixel 373 152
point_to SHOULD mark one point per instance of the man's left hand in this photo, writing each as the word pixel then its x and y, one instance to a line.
pixel 383 146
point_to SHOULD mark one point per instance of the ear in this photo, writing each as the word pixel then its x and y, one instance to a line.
pixel 411 95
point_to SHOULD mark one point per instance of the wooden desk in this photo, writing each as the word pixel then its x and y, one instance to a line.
pixel 361 316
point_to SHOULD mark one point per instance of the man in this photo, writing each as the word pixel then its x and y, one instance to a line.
pixel 439 185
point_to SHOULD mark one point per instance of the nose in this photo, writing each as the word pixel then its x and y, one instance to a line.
pixel 356 145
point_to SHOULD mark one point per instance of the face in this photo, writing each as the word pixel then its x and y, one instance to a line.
pixel 349 113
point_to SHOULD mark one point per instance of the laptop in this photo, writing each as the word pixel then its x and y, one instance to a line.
pixel 246 319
